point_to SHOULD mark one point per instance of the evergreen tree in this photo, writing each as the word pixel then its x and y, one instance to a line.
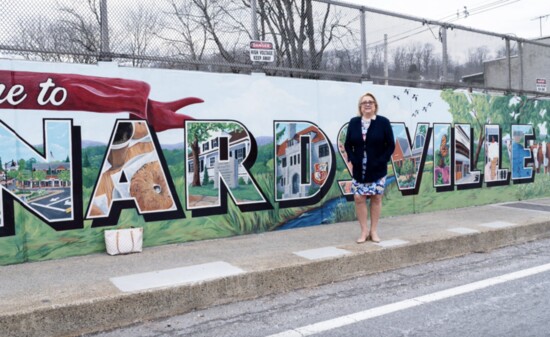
pixel 86 162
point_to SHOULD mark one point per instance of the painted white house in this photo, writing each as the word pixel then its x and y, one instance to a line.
pixel 289 166
pixel 209 158
pixel 462 157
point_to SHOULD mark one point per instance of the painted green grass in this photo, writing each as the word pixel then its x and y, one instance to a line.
pixel 204 190
pixel 428 200
pixel 35 241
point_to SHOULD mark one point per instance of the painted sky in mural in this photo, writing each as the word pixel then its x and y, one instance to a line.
pixel 236 98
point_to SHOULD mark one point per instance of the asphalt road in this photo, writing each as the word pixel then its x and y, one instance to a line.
pixel 54 207
pixel 505 292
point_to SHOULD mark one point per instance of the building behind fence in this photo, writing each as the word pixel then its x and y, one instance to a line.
pixel 320 39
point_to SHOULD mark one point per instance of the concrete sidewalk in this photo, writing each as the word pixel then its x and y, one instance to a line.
pixel 92 293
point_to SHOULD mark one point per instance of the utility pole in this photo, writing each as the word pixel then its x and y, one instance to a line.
pixel 386 72
pixel 254 20
pixel 105 48
pixel 443 36
pixel 364 65
pixel 540 21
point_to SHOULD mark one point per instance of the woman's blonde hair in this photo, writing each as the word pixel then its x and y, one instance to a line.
pixel 361 98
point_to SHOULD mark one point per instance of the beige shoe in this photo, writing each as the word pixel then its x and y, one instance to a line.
pixel 363 241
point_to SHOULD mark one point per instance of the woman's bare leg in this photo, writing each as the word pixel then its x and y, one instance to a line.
pixel 362 215
pixel 375 210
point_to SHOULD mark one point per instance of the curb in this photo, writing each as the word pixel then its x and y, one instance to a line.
pixel 110 312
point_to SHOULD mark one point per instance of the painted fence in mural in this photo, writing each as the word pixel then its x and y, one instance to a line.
pixel 192 156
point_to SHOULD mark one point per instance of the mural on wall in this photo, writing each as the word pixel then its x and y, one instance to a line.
pixel 40 179
pixel 81 152
pixel 304 159
pixel 442 155
pixel 408 159
pixel 132 172
pixel 219 156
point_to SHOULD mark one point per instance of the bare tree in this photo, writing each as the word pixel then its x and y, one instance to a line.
pixel 427 59
pixel 71 37
pixel 38 35
pixel 141 26
pixel 501 52
pixel 376 60
pixel 300 33
pixel 399 61
pixel 342 60
pixel 211 15
pixel 82 32
pixel 204 30
pixel 415 61
pixel 184 31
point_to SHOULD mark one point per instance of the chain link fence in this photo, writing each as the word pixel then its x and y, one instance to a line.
pixel 320 39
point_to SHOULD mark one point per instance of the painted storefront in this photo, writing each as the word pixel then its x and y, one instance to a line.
pixel 192 156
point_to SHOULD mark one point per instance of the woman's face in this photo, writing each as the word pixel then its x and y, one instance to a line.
pixel 367 106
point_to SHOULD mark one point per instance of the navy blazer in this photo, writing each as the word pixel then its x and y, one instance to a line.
pixel 379 145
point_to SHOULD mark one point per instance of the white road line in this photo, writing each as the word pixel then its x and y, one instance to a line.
pixel 58 201
pixel 49 207
pixel 338 322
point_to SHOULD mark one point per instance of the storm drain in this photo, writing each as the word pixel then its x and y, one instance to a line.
pixel 533 207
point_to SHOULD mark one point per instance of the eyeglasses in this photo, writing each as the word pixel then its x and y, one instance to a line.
pixel 367 103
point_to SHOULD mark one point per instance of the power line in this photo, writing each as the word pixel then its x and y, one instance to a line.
pixel 482 8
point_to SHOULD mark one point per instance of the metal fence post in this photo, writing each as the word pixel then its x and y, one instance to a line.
pixel 105 50
pixel 386 65
pixel 364 70
pixel 256 66
pixel 254 20
pixel 443 33
pixel 520 55
pixel 509 60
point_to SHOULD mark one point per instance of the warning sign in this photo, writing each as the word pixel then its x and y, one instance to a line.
pixel 541 84
pixel 262 51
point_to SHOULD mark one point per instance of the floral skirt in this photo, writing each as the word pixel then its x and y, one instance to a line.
pixel 374 188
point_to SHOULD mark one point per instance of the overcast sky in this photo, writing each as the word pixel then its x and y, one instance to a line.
pixel 514 17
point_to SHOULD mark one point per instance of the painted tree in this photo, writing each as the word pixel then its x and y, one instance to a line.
pixel 39 175
pixel 423 130
pixel 481 109
pixel 13 174
pixel 200 132
pixel 29 164
pixel 22 164
pixel 64 176
pixel 86 160
pixel 473 109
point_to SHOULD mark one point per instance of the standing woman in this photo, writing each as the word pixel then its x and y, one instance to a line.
pixel 369 145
